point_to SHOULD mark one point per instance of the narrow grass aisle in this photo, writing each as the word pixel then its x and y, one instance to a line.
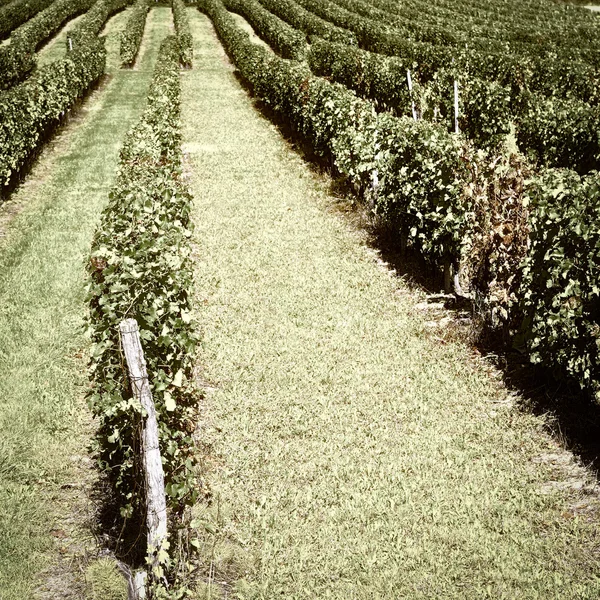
pixel 44 425
pixel 56 47
pixel 349 454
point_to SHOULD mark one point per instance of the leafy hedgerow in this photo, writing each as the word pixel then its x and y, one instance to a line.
pixel 482 58
pixel 303 20
pixel 184 36
pixel 133 32
pixel 547 25
pixel 559 297
pixel 15 14
pixel 381 31
pixel 32 109
pixel 93 21
pixel 485 111
pixel 434 24
pixel 283 39
pixel 381 79
pixel 429 32
pixel 140 268
pixel 559 132
pixel 555 131
pixel 17 59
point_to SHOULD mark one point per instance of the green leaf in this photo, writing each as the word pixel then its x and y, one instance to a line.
pixel 178 379
pixel 169 402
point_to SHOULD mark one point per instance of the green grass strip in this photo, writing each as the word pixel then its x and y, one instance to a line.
pixel 55 48
pixel 355 453
pixel 42 310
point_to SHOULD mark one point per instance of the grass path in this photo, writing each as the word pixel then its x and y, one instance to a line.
pixel 352 455
pixel 56 46
pixel 241 21
pixel 43 420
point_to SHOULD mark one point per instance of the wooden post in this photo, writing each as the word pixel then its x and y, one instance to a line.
pixel 139 585
pixel 70 44
pixel 455 106
pixel 447 277
pixel 374 187
pixel 156 505
pixel 403 242
pixel 409 79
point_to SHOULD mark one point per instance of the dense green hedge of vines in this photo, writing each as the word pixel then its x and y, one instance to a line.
pixel 557 132
pixel 382 79
pixel 434 23
pixel 485 107
pixel 559 296
pixel 17 59
pixel 93 21
pixel 305 21
pixel 133 33
pixel 16 13
pixel 30 110
pixel 554 131
pixel 551 105
pixel 479 57
pixel 184 35
pixel 498 92
pixel 140 268
pixel 284 39
pixel 547 27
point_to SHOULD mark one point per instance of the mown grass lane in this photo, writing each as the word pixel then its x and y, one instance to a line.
pixel 352 451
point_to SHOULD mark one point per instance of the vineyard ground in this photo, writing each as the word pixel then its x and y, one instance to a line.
pixel 351 450
pixel 47 229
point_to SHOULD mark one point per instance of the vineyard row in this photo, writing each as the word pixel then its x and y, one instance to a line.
pixel 140 268
pixel 553 131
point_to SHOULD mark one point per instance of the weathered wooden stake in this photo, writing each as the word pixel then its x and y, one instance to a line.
pixel 458 291
pixel 410 87
pixel 156 505
pixel 403 243
pixel 373 191
pixel 447 277
pixel 455 106
pixel 139 585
